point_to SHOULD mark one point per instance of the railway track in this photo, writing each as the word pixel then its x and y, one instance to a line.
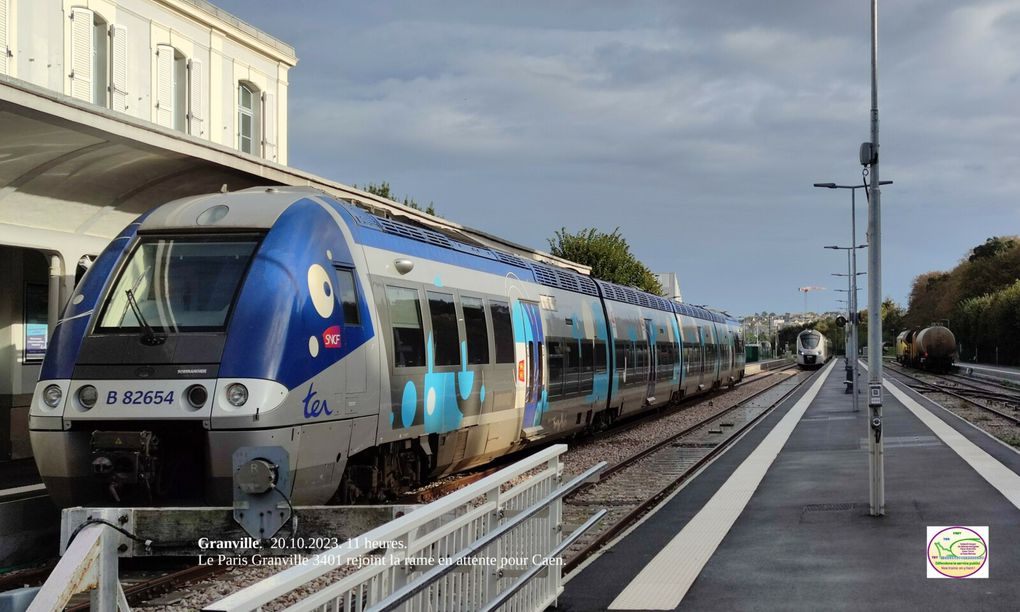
pixel 160 583
pixel 984 384
pixel 145 590
pixel 449 484
pixel 634 485
pixel 970 395
pixel 148 586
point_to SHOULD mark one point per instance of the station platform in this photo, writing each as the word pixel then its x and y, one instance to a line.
pixel 989 370
pixel 781 520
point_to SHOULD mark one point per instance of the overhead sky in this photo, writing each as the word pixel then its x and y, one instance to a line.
pixel 697 128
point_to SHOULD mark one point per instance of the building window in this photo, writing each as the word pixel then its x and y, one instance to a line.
pixel 89 57
pixel 171 87
pixel 5 49
pixel 180 89
pixel 247 103
pixel 36 322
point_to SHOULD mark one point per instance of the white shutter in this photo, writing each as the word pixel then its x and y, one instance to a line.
pixel 164 85
pixel 82 50
pixel 195 94
pixel 269 126
pixel 5 50
pixel 118 62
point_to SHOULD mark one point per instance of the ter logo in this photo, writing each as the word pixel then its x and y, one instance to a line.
pixel 315 407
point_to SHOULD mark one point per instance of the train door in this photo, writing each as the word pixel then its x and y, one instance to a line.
pixel 530 341
pixel 652 359
pixel 703 353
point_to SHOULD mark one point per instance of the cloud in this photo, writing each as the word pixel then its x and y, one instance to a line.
pixel 698 128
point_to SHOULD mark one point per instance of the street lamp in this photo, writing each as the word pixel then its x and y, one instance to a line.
pixel 852 254
pixel 851 353
pixel 875 461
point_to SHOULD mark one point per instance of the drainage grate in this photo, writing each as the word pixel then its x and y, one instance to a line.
pixel 904 441
pixel 843 507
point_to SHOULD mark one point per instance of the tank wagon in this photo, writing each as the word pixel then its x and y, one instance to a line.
pixel 341 355
pixel 930 348
pixel 813 349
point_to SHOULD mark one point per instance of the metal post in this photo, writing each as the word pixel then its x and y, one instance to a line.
pixel 853 296
pixel 53 298
pixel 875 445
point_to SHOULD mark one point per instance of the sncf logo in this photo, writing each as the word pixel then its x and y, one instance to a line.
pixel 331 337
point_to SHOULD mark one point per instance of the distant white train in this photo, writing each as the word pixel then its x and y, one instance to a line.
pixel 813 349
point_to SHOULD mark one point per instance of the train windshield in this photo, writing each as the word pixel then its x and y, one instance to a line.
pixel 809 341
pixel 179 284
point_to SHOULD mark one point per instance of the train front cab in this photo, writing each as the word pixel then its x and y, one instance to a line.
pixel 202 330
pixel 811 349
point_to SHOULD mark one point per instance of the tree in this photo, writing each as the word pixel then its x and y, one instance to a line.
pixel 992 247
pixel 383 191
pixel 608 255
pixel 893 322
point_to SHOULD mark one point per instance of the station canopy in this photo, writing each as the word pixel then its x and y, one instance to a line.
pixel 72 173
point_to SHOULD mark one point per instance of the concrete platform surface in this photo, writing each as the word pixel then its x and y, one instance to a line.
pixel 804 539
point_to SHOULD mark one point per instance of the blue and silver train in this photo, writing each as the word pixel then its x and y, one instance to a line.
pixel 363 356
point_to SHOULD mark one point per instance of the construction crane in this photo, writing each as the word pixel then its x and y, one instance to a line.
pixel 805 291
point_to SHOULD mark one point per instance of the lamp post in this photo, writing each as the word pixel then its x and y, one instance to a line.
pixel 852 274
pixel 874 346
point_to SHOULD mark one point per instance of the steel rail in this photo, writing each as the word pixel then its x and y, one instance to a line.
pixel 941 389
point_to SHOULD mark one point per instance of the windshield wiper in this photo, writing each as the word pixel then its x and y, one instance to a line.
pixel 149 335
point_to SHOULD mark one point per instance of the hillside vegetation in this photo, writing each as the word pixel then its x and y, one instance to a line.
pixel 980 299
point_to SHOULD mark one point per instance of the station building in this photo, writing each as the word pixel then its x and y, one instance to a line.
pixel 109 108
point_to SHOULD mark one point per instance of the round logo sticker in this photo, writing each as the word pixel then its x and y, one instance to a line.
pixel 957 552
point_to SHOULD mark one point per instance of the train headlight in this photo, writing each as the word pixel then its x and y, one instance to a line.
pixel 88 395
pixel 237 394
pixel 52 395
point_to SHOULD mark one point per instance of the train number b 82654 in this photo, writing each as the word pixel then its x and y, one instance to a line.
pixel 137 398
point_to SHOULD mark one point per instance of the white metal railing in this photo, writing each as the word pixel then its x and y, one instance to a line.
pixel 495 544
pixel 88 564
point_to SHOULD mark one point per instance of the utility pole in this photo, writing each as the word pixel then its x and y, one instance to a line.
pixel 875 445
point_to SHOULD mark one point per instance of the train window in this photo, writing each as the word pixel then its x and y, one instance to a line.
pixel 665 360
pixel 502 332
pixel 620 356
pixel 600 355
pixel 587 365
pixel 445 337
pixel 476 329
pixel 643 360
pixel 632 361
pixel 408 337
pixel 348 296
pixel 178 284
pixel 555 366
pixel 572 365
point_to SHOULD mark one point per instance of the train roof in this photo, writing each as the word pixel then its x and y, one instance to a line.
pixel 381 232
pixel 543 274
